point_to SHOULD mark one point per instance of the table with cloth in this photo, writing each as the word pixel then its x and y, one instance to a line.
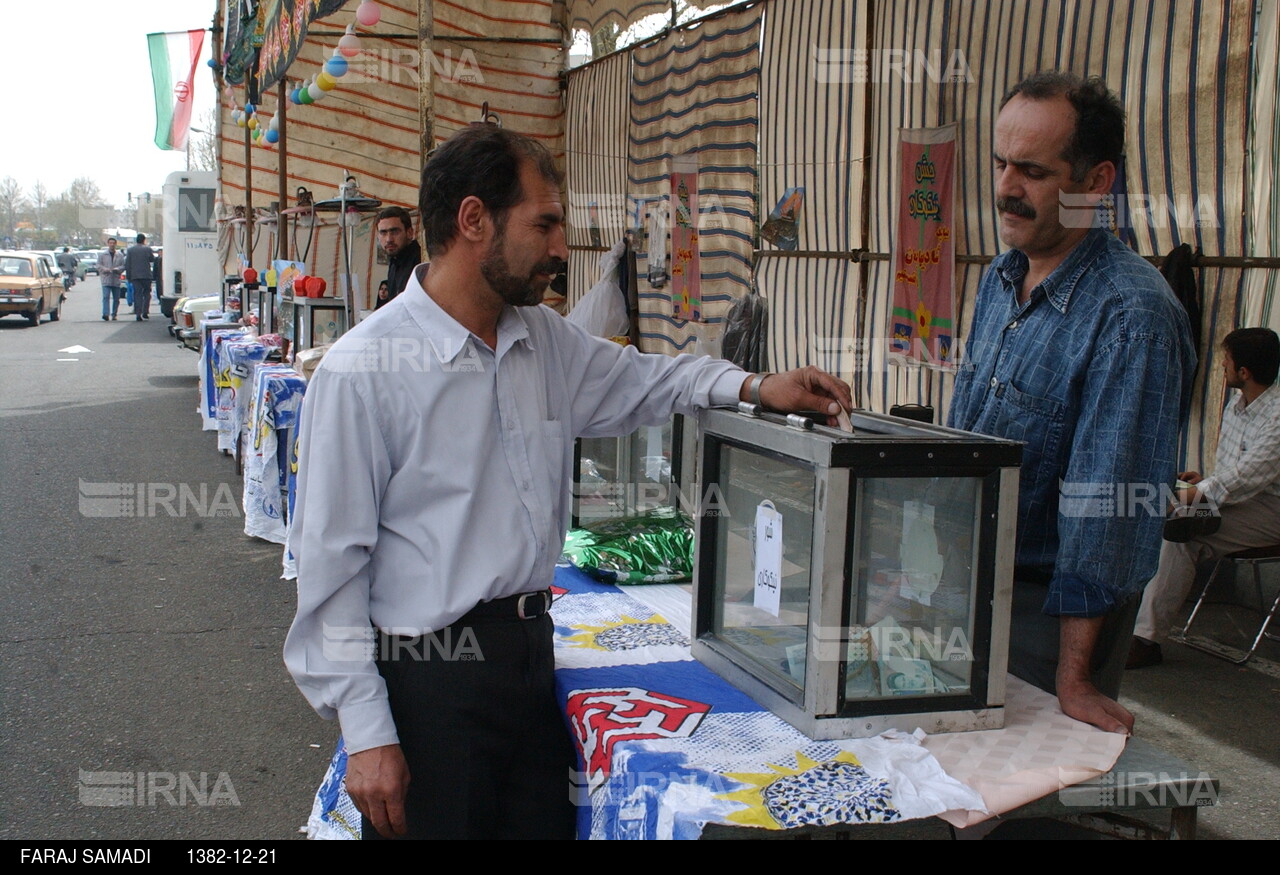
pixel 236 361
pixel 666 746
pixel 273 418
pixel 208 403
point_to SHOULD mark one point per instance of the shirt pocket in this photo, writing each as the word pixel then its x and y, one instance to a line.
pixel 1034 419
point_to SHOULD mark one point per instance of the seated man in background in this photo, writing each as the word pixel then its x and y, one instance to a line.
pixel 1244 485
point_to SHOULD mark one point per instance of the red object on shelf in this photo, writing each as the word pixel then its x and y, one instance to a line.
pixel 300 286
pixel 316 286
pixel 250 275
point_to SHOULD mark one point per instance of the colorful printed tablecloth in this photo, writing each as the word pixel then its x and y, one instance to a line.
pixel 666 746
pixel 208 404
pixel 277 398
pixel 236 361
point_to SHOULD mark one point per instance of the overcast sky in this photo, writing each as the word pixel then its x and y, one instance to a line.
pixel 87 60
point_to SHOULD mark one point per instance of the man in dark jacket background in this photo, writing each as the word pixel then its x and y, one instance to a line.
pixel 395 236
pixel 137 269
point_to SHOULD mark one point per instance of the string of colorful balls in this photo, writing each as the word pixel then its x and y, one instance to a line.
pixel 368 14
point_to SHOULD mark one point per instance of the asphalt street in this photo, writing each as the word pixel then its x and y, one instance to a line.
pixel 143 692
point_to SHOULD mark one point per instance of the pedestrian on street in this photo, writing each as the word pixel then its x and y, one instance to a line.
pixel 111 275
pixel 138 262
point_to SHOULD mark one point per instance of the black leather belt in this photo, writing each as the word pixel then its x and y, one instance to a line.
pixel 523 606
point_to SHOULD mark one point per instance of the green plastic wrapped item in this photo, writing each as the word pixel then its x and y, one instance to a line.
pixel 653 547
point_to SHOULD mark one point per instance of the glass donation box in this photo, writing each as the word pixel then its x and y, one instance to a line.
pixel 856 582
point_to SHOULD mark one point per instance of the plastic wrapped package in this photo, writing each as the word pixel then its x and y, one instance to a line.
pixel 654 547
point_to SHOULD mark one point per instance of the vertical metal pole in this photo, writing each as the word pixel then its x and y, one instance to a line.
pixel 349 294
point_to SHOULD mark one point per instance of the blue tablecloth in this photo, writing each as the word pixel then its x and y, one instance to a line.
pixel 666 746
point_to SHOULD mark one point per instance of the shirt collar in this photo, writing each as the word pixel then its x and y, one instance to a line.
pixel 1059 285
pixel 1268 398
pixel 439 325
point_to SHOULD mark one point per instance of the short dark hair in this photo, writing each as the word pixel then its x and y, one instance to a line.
pixel 112 240
pixel 396 213
pixel 481 160
pixel 142 238
pixel 1257 349
pixel 1099 133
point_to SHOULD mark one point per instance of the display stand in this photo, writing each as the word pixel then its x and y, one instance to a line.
pixel 317 321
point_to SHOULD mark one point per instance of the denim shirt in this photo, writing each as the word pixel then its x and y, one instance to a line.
pixel 1094 374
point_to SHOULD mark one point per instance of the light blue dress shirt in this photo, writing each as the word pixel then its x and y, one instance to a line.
pixel 435 473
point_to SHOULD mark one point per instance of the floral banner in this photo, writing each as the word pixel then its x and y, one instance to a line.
pixel 922 321
pixel 285 24
pixel 686 269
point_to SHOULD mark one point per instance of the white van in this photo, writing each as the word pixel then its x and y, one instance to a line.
pixel 190 265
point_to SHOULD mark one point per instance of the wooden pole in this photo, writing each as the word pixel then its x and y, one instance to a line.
pixel 248 197
pixel 426 93
pixel 282 103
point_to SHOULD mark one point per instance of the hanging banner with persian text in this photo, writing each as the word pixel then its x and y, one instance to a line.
pixel 922 320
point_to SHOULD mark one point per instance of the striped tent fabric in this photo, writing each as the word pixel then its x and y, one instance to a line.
pixel 614 17
pixel 596 124
pixel 519 80
pixel 906 59
pixel 1181 69
pixel 813 136
pixel 813 314
pixel 592 15
pixel 1261 308
pixel 694 91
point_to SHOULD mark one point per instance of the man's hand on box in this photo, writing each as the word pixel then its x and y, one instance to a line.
pixel 803 390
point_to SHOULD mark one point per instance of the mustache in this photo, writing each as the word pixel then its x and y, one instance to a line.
pixel 553 267
pixel 1015 206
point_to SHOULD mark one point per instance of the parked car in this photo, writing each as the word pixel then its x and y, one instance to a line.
pixel 88 263
pixel 51 259
pixel 29 287
pixel 187 313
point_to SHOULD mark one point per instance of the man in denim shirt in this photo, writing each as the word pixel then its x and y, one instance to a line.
pixel 1078 348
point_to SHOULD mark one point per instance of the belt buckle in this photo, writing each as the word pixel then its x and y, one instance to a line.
pixel 546 604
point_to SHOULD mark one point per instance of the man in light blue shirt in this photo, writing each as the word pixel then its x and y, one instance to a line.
pixel 435 464
pixel 1079 349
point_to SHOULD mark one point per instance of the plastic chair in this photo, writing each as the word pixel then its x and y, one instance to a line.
pixel 1254 557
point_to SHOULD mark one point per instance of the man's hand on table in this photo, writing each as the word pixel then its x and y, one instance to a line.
pixel 803 389
pixel 377 780
pixel 1077 696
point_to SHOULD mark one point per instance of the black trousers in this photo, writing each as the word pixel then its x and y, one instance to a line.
pixel 141 297
pixel 1034 639
pixel 489 753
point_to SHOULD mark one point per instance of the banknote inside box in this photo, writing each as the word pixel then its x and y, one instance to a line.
pixel 857 581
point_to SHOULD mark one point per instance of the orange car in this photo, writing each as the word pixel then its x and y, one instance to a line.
pixel 29 287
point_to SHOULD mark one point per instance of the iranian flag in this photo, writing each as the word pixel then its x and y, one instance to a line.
pixel 173 71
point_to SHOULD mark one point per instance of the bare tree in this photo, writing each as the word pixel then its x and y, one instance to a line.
pixel 84 192
pixel 39 209
pixel 82 210
pixel 64 216
pixel 202 145
pixel 12 203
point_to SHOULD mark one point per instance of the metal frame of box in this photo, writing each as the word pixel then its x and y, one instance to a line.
pixel 880 447
pixel 304 319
